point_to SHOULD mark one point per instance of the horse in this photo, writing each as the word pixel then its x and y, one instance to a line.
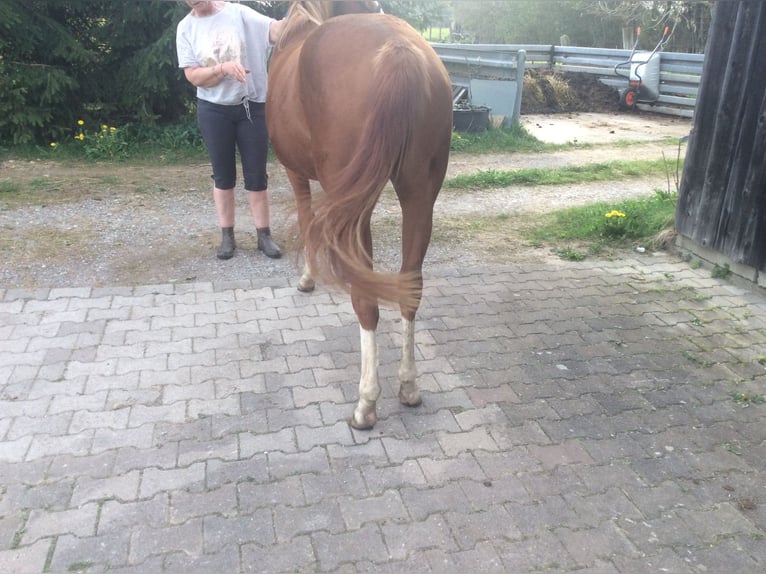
pixel 356 100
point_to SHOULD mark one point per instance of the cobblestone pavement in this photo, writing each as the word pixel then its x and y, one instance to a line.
pixel 591 417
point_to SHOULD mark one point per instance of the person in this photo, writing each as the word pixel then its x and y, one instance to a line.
pixel 223 50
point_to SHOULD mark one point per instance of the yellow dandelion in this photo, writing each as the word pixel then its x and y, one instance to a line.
pixel 614 213
pixel 112 130
pixel 80 123
pixel 54 144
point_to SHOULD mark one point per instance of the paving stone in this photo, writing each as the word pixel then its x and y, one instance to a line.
pixel 364 544
pixel 186 538
pixel 603 543
pixel 540 552
pixel 477 439
pixel 470 528
pixel 107 439
pixel 225 560
pixel 252 444
pixel 123 487
pixel 29 559
pixel 186 505
pixel 117 516
pixel 292 521
pixel 382 478
pixel 543 514
pixel 95 553
pixel 80 521
pixel 287 491
pixel 384 508
pixel 219 472
pixel 570 423
pixel 404 540
pixel 222 532
pixel 308 438
pixel 483 558
pixel 160 480
pixel 348 482
pixel 297 555
pixel 424 502
pixel 441 471
pixel 47 445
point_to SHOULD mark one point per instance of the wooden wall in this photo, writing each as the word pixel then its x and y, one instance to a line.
pixel 722 195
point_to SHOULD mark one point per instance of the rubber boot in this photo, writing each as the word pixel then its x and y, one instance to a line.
pixel 228 245
pixel 266 243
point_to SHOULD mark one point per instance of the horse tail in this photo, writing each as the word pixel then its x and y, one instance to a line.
pixel 336 237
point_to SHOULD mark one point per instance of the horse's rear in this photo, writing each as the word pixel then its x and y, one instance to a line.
pixel 363 100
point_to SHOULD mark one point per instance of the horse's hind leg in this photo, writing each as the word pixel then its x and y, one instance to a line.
pixel 365 414
pixel 367 312
pixel 408 388
pixel 417 220
pixel 302 192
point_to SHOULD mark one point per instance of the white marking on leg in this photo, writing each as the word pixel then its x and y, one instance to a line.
pixel 369 387
pixel 408 388
pixel 306 282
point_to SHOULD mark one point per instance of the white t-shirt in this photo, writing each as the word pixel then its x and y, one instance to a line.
pixel 235 33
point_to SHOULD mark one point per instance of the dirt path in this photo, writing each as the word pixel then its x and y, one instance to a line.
pixel 97 224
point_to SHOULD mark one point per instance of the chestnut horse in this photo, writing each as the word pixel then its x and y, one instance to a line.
pixel 356 101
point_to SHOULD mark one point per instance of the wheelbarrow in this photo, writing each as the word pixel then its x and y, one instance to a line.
pixel 642 70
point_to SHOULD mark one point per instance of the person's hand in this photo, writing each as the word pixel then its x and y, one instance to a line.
pixel 235 70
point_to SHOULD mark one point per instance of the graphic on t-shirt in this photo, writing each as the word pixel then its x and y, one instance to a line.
pixel 225 46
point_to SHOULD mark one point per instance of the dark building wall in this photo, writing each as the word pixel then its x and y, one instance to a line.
pixel 722 196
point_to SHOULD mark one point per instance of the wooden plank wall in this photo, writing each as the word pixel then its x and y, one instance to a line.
pixel 722 195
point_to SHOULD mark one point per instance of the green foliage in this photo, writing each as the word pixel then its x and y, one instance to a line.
pixel 721 272
pixel 630 221
pixel 570 254
pixel 585 22
pixel 106 62
pixel 8 186
pixel 419 13
pixel 134 141
pixel 613 170
pixel 534 22
pixel 746 399
pixel 514 138
pixel 106 143
pixel 688 20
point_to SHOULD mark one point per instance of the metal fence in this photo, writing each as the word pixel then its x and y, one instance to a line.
pixel 493 78
pixel 679 73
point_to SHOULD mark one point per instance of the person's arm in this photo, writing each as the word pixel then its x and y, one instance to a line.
pixel 207 76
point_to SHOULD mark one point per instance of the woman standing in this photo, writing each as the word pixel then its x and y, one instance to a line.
pixel 223 49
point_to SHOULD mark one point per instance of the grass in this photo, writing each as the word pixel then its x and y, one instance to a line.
pixel 573 233
pixel 611 171
pixel 130 142
pixel 495 140
pixel 8 186
pixel 639 222
pixel 746 399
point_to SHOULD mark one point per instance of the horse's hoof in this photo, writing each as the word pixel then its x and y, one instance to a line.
pixel 306 286
pixel 410 398
pixel 368 421
pixel 411 402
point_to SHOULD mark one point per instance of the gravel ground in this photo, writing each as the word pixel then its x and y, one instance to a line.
pixel 106 224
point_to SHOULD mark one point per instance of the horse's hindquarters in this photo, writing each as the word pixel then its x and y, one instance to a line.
pixel 355 64
pixel 364 100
